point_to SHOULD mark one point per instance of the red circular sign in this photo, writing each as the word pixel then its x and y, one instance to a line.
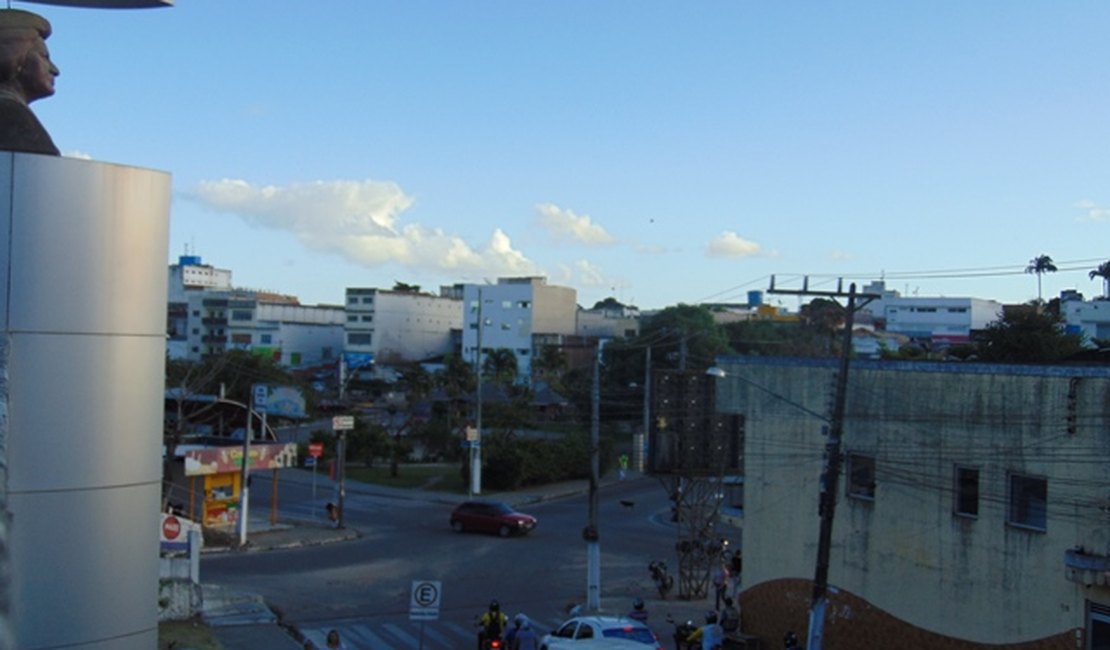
pixel 171 527
pixel 315 449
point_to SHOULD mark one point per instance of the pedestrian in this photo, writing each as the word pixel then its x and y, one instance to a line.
pixel 518 620
pixel 720 584
pixel 334 642
pixel 638 612
pixel 730 617
pixel 525 638
pixel 623 465
pixel 736 565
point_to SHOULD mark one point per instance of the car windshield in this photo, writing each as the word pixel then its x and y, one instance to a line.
pixel 640 634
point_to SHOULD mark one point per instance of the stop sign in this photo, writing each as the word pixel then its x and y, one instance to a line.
pixel 315 449
pixel 171 528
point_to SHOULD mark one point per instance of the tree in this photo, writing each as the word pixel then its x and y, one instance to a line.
pixel 550 363
pixel 1040 265
pixel 1028 336
pixel 406 287
pixel 500 366
pixel 1103 271
pixel 684 336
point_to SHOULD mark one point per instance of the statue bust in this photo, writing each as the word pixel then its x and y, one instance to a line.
pixel 26 74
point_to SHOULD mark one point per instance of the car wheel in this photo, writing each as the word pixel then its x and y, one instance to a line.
pixel 504 531
pixel 457 526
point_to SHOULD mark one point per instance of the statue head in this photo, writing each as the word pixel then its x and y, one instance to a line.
pixel 26 70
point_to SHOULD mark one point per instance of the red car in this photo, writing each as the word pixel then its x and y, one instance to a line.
pixel 491 517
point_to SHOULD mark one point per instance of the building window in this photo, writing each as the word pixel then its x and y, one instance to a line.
pixel 861 476
pixel 240 314
pixel 506 327
pixel 967 492
pixel 196 330
pixel 265 339
pixel 359 339
pixel 241 339
pixel 352 300
pixel 352 318
pixel 1028 500
pixel 368 319
pixel 368 300
pixel 196 313
pixel 524 304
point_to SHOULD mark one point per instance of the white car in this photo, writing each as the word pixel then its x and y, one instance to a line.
pixel 601 633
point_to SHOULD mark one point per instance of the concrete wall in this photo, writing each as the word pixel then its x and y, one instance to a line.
pixel 979 580
pixel 83 307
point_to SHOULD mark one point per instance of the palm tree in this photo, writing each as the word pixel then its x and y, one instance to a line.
pixel 1103 271
pixel 501 365
pixel 1040 265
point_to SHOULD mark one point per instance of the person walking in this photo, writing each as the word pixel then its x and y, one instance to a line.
pixel 334 642
pixel 525 638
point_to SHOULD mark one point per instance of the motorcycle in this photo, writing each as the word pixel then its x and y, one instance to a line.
pixel 682 631
pixel 663 582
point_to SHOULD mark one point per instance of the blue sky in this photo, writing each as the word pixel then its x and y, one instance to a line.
pixel 658 152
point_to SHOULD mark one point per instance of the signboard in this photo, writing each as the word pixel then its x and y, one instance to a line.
pixel 315 449
pixel 310 461
pixel 426 596
pixel 261 394
pixel 219 460
pixel 175 532
pixel 343 422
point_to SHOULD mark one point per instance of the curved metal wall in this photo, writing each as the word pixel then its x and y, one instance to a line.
pixel 83 307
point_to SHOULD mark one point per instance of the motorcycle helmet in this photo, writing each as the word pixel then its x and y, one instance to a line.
pixel 711 617
pixel 494 606
pixel 637 603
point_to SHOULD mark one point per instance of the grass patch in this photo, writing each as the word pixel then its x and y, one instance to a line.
pixel 439 477
pixel 191 633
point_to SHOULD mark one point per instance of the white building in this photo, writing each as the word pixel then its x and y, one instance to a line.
pixel 188 277
pixel 266 324
pixel 1089 318
pixel 191 274
pixel 401 326
pixel 511 313
pixel 937 319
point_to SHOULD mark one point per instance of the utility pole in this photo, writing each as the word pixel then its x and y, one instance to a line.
pixel 590 534
pixel 475 445
pixel 830 475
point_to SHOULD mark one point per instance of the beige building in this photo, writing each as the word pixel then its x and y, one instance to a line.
pixel 971 510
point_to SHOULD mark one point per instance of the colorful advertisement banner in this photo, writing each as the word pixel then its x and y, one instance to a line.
pixel 220 460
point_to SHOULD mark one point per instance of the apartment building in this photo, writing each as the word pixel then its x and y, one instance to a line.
pixel 1089 318
pixel 971 512
pixel 512 314
pixel 401 326
pixel 267 324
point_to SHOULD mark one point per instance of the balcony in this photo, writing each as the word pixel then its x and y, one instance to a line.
pixel 211 320
pixel 214 338
pixel 1087 568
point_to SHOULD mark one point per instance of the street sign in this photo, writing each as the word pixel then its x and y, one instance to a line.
pixel 261 396
pixel 310 461
pixel 315 449
pixel 343 422
pixel 426 596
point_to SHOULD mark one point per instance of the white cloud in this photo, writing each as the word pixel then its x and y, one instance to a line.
pixel 563 224
pixel 729 244
pixel 1093 211
pixel 359 220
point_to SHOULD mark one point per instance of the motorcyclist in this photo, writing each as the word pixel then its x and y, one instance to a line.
pixel 638 612
pixel 492 624
pixel 711 635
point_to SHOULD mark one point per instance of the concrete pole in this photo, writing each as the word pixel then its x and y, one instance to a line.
pixel 593 545
pixel 476 446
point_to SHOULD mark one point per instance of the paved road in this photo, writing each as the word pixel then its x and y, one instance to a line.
pixel 362 587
